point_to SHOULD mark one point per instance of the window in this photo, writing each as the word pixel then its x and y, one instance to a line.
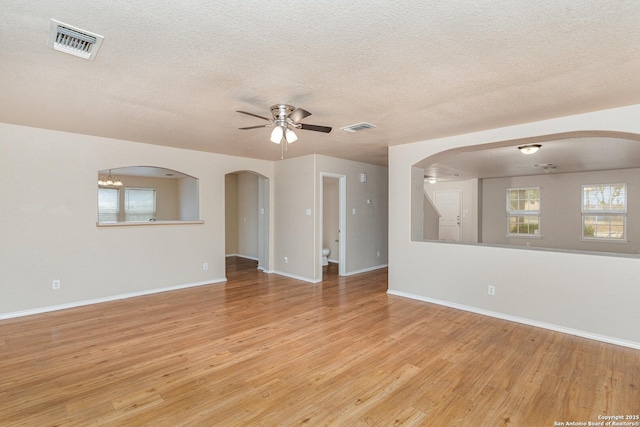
pixel 139 204
pixel 604 211
pixel 108 204
pixel 523 211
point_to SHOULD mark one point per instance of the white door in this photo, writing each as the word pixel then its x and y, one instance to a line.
pixel 448 203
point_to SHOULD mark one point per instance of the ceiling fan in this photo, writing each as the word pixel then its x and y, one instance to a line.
pixel 285 120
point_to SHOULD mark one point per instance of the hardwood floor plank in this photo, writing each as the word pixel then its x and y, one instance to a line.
pixel 266 350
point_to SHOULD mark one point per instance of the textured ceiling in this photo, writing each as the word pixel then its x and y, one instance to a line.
pixel 173 73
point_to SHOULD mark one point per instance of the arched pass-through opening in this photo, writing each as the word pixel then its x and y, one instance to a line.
pixel 146 195
pixel 540 200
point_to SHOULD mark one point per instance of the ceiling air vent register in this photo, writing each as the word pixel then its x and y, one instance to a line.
pixel 358 127
pixel 74 41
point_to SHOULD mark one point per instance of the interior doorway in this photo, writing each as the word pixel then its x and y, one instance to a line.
pixel 247 217
pixel 448 204
pixel 333 224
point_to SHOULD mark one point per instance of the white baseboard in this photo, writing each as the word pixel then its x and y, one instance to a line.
pixel 105 299
pixel 525 321
pixel 293 276
pixel 365 270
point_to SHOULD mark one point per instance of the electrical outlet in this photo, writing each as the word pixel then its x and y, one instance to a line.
pixel 491 290
pixel 205 266
pixel 378 254
pixel 286 260
pixel 55 284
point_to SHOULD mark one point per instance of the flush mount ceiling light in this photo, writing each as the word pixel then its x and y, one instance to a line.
pixel 529 149
pixel 109 181
pixel 430 179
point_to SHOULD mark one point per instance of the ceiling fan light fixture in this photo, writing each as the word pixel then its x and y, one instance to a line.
pixel 285 120
pixel 276 134
pixel 290 136
pixel 529 149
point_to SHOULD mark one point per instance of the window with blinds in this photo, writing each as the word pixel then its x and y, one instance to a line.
pixel 108 204
pixel 139 204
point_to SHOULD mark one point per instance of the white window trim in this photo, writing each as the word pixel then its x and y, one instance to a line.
pixel 623 214
pixel 523 213
pixel 117 210
pixel 124 207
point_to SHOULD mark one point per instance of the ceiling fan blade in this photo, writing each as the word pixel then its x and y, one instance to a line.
pixel 255 127
pixel 298 114
pixel 254 115
pixel 316 128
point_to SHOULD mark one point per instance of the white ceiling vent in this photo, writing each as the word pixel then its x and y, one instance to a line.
pixel 358 127
pixel 74 41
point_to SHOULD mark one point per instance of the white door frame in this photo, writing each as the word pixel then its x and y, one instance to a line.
pixel 458 193
pixel 263 223
pixel 342 220
pixel 263 218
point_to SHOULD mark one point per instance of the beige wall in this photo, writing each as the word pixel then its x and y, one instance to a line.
pixel 189 204
pixel 294 229
pixel 586 294
pixel 299 236
pixel 560 216
pixel 52 234
pixel 366 230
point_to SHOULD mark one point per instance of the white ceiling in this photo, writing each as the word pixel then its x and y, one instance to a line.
pixel 174 73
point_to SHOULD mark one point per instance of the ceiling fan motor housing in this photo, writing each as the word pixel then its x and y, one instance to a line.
pixel 287 117
pixel 281 111
pixel 281 115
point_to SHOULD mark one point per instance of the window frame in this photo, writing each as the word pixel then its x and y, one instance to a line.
pixel 117 209
pixel 523 213
pixel 604 213
pixel 128 212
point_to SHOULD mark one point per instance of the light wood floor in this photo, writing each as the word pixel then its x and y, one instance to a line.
pixel 268 350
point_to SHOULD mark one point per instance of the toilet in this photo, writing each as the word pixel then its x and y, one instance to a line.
pixel 325 256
